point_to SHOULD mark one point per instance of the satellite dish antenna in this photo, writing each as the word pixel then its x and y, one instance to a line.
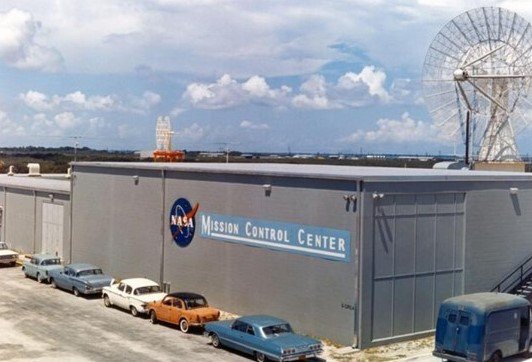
pixel 476 77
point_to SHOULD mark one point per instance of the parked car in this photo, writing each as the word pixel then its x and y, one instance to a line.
pixel 132 294
pixel 265 337
pixel 7 257
pixel 183 309
pixel 80 279
pixel 40 265
pixel 482 327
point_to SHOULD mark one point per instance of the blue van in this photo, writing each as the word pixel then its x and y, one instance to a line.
pixel 482 327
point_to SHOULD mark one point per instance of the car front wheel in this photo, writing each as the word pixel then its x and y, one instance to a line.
pixel 183 325
pixel 40 278
pixel 153 317
pixel 106 301
pixel 134 311
pixel 215 340
pixel 52 283
pixel 260 357
pixel 76 292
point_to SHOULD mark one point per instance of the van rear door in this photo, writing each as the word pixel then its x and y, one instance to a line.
pixel 455 341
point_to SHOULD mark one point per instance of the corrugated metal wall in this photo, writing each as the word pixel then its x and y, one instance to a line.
pixel 418 261
pixel 23 225
pixel 121 225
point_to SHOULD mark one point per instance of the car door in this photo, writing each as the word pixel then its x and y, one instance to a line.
pixel 118 295
pixel 127 296
pixel 238 336
pixel 177 311
pixel 60 278
pixel 163 312
pixel 252 339
pixel 30 267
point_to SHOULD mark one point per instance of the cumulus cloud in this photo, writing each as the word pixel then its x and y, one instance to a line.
pixel 148 100
pixel 369 77
pixel 18 45
pixel 66 120
pixel 194 132
pixel 255 126
pixel 36 100
pixel 404 130
pixel 227 92
pixel 349 90
pixel 8 127
pixel 79 101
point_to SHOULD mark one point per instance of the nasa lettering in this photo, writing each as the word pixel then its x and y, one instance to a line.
pixel 183 222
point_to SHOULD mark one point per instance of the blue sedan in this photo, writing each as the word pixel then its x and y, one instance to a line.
pixel 264 337
pixel 80 279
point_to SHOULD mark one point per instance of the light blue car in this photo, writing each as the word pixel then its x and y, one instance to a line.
pixel 264 337
pixel 80 279
pixel 40 266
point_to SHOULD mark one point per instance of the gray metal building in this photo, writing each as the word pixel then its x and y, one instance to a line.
pixel 35 213
pixel 359 255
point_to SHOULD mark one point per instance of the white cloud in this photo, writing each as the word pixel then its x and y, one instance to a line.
pixel 369 77
pixel 18 45
pixel 66 120
pixel 148 100
pixel 192 133
pixel 77 100
pixel 227 92
pixel 8 127
pixel 36 100
pixel 404 130
pixel 312 102
pixel 255 126
pixel 176 111
pixel 349 90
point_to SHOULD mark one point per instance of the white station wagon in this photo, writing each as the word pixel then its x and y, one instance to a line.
pixel 132 294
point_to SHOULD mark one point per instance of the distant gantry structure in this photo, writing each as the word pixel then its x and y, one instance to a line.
pixel 163 138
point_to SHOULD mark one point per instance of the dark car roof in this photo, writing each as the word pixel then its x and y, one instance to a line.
pixel 77 267
pixel 262 320
pixel 485 302
pixel 185 295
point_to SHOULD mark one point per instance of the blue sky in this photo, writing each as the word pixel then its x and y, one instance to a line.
pixel 312 76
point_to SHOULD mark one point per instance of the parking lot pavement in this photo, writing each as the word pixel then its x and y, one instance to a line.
pixel 39 323
pixel 431 358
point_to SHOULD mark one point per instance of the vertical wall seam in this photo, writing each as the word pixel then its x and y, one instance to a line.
pixel 71 218
pixel 394 240
pixel 163 197
pixel 34 221
pixel 415 266
pixel 434 268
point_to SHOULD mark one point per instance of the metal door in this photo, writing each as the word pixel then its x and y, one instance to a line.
pixel 418 252
pixel 52 229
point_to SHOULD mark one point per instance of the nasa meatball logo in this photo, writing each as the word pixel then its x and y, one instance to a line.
pixel 183 222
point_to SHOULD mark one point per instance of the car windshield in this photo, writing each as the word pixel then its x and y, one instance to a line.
pixel 277 329
pixel 51 262
pixel 90 272
pixel 194 303
pixel 3 246
pixel 147 290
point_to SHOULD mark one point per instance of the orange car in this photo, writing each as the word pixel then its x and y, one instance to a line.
pixel 183 309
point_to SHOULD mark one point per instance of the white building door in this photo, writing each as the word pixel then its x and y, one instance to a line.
pixel 52 229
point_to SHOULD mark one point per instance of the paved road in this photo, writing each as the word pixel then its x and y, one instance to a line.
pixel 39 323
